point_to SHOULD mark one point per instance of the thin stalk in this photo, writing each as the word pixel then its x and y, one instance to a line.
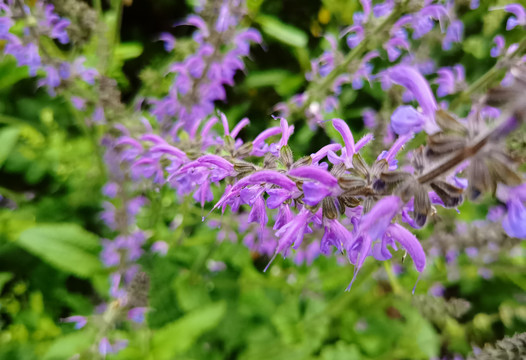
pixel 393 281
pixel 488 78
pixel 115 34
pixel 324 84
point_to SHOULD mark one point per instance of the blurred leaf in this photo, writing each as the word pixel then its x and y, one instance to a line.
pixel 476 46
pixel 340 351
pixel 8 139
pixel 130 50
pixel 190 291
pixel 70 344
pixel 181 334
pixel 10 73
pixel 284 82
pixel 67 247
pixel 4 278
pixel 282 32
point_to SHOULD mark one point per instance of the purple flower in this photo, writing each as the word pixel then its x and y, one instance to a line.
pixel 137 314
pixel 437 290
pixel 454 34
pixel 499 46
pixel 350 147
pixel 292 233
pixel 514 223
pixel 356 36
pixel 413 81
pixel 335 235
pixel 371 227
pixel 168 40
pixel 80 321
pixel 406 120
pixel 518 19
pixel 160 247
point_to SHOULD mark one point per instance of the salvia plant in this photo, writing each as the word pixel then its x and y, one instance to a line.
pixel 439 138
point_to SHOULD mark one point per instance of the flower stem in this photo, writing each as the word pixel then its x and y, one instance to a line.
pixel 370 41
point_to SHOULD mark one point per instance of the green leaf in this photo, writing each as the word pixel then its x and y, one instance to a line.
pixel 8 139
pixel 284 82
pixel 285 33
pixel 126 51
pixel 181 334
pixel 67 247
pixel 476 46
pixel 68 345
pixel 11 73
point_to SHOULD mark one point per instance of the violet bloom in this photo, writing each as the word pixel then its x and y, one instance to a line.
pixel 322 183
pixel 105 347
pixel 454 34
pixel 168 41
pixel 369 119
pixel 499 46
pixel 450 79
pixel 405 120
pixel 292 233
pixel 137 314
pixel 519 18
pixel 350 148
pixel 371 227
pixel 514 222
pixel 355 37
pixel 423 20
pixel 413 81
pixel 79 321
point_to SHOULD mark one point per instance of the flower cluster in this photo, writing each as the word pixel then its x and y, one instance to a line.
pixel 201 78
pixel 40 20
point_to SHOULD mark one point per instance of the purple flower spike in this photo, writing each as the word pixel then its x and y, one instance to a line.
pixel 406 120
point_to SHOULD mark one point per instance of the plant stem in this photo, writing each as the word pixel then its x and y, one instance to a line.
pixel 365 45
pixel 488 78
pixel 393 281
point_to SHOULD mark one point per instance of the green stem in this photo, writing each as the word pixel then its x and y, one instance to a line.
pixel 97 4
pixel 488 78
pixel 114 34
pixel 393 281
